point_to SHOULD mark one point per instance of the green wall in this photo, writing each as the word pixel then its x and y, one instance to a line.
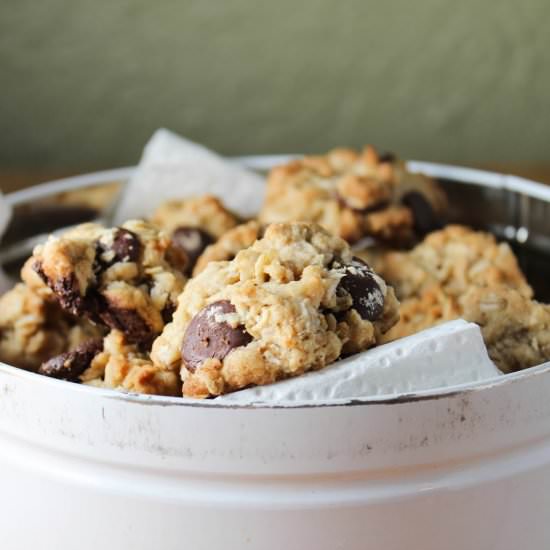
pixel 84 84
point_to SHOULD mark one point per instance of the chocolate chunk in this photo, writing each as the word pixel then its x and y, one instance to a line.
pixel 192 241
pixel 207 338
pixel 68 295
pixel 129 322
pixel 359 282
pixel 125 247
pixel 67 291
pixel 70 365
pixel 177 258
pixel 426 219
pixel 339 315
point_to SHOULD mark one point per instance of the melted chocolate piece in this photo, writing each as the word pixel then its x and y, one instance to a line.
pixel 192 241
pixel 66 290
pixel 70 365
pixel 425 218
pixel 359 282
pixel 68 295
pixel 129 322
pixel 207 338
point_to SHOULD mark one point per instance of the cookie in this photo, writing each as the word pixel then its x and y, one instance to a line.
pixel 454 258
pixel 294 301
pixel 194 224
pixel 33 329
pixel 446 277
pixel 431 279
pixel 229 244
pixel 126 278
pixel 354 195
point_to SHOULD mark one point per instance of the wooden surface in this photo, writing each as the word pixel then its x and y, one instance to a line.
pixel 12 180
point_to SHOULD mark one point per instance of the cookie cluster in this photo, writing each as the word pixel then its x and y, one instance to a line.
pixel 199 302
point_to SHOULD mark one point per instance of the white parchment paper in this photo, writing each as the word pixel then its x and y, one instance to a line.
pixel 450 354
pixel 174 167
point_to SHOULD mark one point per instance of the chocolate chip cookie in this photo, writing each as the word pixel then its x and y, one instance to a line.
pixel 354 195
pixel 193 224
pixel 34 328
pixel 127 278
pixel 294 301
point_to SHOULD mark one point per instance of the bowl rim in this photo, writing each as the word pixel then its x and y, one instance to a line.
pixel 466 175
pixel 433 394
pixel 472 176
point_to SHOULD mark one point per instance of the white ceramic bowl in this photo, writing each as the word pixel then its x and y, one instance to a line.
pixel 467 468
